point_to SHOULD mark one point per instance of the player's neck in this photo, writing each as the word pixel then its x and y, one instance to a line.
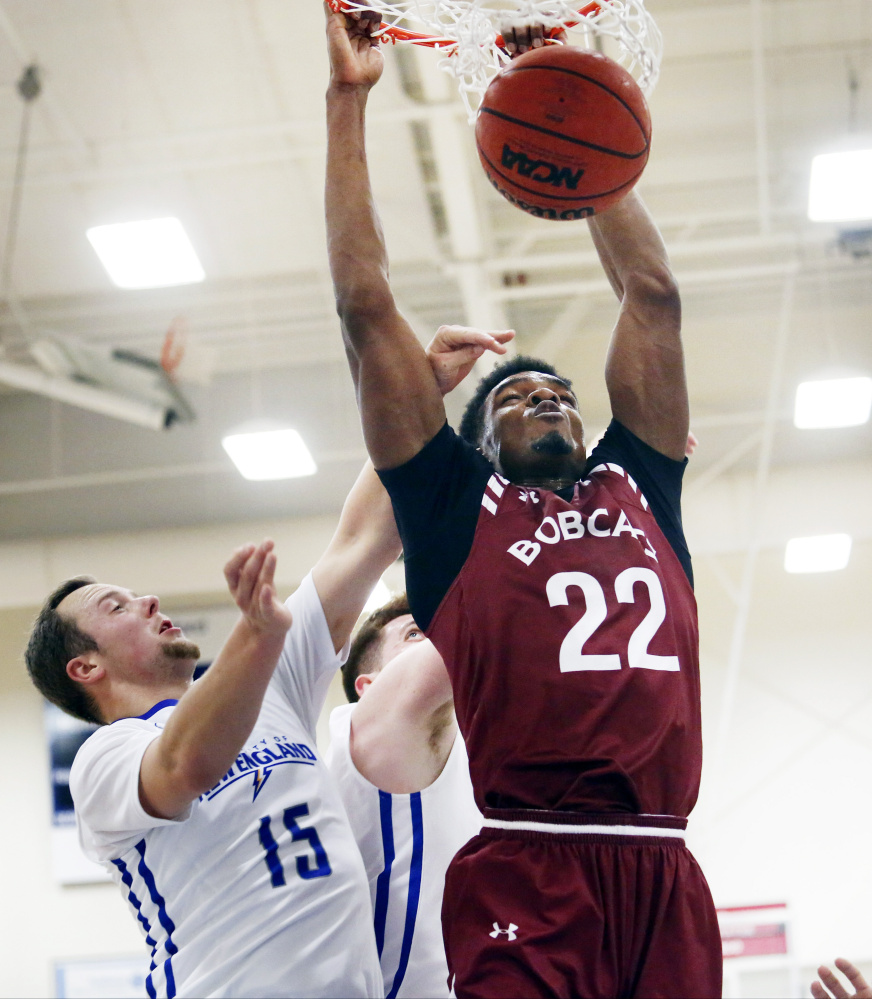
pixel 553 483
pixel 131 701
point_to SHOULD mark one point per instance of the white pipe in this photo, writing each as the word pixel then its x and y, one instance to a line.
pixel 746 587
pixel 760 125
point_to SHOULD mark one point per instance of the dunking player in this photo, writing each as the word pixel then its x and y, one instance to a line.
pixel 399 761
pixel 557 589
pixel 208 802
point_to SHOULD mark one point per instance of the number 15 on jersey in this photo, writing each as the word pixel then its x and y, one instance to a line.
pixel 305 868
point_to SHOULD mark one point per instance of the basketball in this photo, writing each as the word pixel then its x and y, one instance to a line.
pixel 563 133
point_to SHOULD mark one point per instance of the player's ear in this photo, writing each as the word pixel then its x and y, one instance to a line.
pixel 83 670
pixel 362 682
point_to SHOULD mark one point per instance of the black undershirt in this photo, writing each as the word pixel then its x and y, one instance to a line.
pixel 437 500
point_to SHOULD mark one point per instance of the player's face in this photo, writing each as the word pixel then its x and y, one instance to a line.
pixel 533 430
pixel 398 635
pixel 133 637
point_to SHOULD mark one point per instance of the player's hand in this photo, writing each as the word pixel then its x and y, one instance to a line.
pixel 250 576
pixel 355 56
pixel 521 36
pixel 455 349
pixel 692 444
pixel 832 982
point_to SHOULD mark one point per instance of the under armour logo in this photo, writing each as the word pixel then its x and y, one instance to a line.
pixel 510 932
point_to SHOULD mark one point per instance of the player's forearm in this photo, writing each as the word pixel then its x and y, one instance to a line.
pixel 367 522
pixel 366 542
pixel 645 364
pixel 208 729
pixel 633 253
pixel 355 243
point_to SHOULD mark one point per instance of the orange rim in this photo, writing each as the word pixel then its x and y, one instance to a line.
pixel 391 33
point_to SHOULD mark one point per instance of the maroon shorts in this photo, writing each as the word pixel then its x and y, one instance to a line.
pixel 529 913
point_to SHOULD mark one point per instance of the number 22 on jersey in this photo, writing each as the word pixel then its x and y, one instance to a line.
pixel 572 655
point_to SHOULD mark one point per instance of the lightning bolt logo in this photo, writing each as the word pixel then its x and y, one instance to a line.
pixel 259 778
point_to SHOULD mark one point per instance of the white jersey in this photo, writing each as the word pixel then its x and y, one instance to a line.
pixel 407 842
pixel 258 889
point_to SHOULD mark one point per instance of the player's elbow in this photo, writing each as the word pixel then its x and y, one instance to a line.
pixel 193 772
pixel 654 292
pixel 362 307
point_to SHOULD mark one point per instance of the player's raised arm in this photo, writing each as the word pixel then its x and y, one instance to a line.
pixel 400 404
pixel 214 718
pixel 645 366
pixel 364 545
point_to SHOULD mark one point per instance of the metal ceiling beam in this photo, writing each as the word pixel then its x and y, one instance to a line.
pixel 686 279
pixel 739 245
pixel 91 480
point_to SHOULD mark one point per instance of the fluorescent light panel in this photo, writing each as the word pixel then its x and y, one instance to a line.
pixel 841 187
pixel 270 454
pixel 152 254
pixel 833 402
pixel 824 553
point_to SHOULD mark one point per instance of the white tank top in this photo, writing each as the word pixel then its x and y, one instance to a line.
pixel 407 842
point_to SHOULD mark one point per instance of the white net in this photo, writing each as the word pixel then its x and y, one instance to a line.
pixel 466 32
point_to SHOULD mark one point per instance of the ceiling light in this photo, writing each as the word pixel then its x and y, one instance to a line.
pixel 841 187
pixel 378 598
pixel 833 402
pixel 269 454
pixel 152 254
pixel 823 553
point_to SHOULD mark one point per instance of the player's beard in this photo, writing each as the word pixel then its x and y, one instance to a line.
pixel 553 444
pixel 181 648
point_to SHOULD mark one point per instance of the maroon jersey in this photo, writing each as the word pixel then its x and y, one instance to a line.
pixel 568 626
pixel 571 639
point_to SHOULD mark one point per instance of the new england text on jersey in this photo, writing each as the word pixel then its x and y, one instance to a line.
pixel 259 762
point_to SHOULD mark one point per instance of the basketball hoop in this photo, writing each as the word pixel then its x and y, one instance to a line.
pixel 466 32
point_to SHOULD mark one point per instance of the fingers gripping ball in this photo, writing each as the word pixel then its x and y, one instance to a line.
pixel 563 133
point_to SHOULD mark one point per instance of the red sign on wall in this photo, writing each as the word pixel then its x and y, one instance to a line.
pixel 753 930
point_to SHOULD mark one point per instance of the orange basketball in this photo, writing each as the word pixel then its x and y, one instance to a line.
pixel 563 133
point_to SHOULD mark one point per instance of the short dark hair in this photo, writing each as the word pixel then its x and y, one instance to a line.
pixel 472 423
pixel 54 641
pixel 361 658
